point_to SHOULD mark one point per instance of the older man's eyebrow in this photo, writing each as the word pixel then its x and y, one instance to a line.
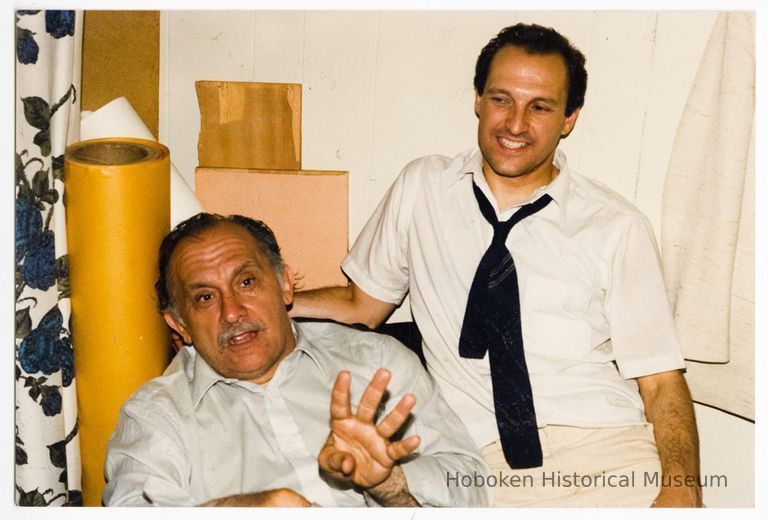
pixel 245 266
pixel 197 285
pixel 194 286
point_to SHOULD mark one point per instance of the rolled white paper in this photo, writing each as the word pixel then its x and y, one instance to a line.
pixel 118 119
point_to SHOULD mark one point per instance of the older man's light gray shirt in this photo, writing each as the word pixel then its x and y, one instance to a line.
pixel 191 435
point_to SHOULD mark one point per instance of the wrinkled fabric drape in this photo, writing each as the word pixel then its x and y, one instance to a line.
pixel 48 57
pixel 707 233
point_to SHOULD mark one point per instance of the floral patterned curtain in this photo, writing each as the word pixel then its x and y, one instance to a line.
pixel 48 57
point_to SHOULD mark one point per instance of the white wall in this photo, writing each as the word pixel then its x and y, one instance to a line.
pixel 381 88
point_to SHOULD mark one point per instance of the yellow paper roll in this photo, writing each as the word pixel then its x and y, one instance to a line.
pixel 118 205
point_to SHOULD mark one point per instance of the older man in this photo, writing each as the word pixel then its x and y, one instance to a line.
pixel 243 416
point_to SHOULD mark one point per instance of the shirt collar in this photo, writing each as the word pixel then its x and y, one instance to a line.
pixel 558 189
pixel 202 377
pixel 304 345
pixel 474 163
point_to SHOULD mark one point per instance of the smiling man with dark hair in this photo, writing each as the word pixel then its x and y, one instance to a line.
pixel 538 293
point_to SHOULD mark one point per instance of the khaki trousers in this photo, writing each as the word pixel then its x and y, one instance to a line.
pixel 582 467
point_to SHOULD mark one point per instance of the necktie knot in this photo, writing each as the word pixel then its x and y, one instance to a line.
pixel 501 232
pixel 502 228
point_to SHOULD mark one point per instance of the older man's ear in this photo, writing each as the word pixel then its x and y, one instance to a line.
pixel 177 342
pixel 288 282
pixel 180 332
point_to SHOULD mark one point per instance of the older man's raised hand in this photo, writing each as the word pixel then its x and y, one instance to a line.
pixel 359 451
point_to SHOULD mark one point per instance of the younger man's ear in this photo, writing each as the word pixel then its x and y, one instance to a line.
pixel 570 122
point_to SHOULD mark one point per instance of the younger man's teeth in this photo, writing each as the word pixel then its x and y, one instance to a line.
pixel 511 144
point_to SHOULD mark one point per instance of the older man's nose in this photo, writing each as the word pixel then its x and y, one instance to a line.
pixel 232 309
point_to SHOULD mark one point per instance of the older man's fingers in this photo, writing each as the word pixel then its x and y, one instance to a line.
pixel 369 402
pixel 340 407
pixel 403 448
pixel 397 417
pixel 341 462
pixel 336 462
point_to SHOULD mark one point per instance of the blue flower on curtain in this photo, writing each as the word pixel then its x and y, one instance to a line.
pixel 46 348
pixel 60 23
pixel 29 225
pixel 46 451
pixel 27 48
pixel 57 23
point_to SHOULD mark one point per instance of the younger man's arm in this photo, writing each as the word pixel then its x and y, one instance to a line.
pixel 348 304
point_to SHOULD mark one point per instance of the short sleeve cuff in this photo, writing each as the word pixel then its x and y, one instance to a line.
pixel 646 366
pixel 362 280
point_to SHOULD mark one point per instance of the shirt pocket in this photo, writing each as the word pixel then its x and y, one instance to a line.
pixel 554 320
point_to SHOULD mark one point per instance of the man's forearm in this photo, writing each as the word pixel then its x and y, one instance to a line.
pixel 669 408
pixel 334 303
pixel 282 497
pixel 343 304
pixel 393 492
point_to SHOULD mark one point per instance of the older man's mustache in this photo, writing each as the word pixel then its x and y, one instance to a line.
pixel 239 328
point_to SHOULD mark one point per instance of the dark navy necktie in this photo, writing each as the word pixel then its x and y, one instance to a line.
pixel 492 323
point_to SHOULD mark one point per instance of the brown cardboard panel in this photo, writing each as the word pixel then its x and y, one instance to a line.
pixel 307 210
pixel 249 125
pixel 121 57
